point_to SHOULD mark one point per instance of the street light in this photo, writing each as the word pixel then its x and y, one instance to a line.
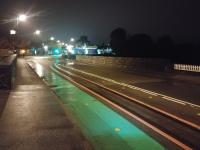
pixel 52 38
pixel 70 49
pixel 58 41
pixel 46 47
pixel 37 32
pixel 22 18
pixel 72 39
pixel 12 32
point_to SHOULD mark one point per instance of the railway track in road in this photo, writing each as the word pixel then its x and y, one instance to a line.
pixel 163 125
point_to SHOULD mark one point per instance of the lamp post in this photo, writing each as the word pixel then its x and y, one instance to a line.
pixel 20 18
pixel 46 49
pixel 52 38
pixel 12 34
pixel 37 40
pixel 37 32
pixel 72 40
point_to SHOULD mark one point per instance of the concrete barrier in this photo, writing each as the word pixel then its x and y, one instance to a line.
pixel 140 64
pixel 7 71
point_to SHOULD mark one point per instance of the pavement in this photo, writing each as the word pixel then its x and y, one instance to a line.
pixel 33 119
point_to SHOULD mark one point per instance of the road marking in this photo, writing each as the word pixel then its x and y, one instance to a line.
pixel 155 129
pixel 136 88
pixel 198 114
pixel 117 129
pixel 113 81
pixel 150 97
pixel 163 112
pixel 173 100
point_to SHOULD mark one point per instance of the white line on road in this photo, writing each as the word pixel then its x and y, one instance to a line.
pixel 173 99
pixel 136 88
pixel 157 130
pixel 136 100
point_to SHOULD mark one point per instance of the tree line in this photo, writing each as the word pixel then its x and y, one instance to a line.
pixel 142 45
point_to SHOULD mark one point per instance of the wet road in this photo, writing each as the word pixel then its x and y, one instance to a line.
pixel 104 127
pixel 132 85
pixel 189 92
pixel 120 82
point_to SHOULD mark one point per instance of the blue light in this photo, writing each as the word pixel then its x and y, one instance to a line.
pixel 56 51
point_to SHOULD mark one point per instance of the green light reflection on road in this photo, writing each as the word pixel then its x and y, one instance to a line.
pixel 106 129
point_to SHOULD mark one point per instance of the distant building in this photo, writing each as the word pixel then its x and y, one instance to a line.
pixel 83 50
pixel 104 51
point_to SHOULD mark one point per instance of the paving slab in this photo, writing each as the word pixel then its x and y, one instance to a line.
pixel 33 119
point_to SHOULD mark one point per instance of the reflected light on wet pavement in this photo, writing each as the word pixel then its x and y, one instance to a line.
pixel 39 69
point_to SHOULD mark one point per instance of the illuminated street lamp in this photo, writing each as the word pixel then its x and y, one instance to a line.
pixel 70 49
pixel 12 32
pixel 52 38
pixel 22 18
pixel 45 47
pixel 72 40
pixel 37 32
pixel 58 41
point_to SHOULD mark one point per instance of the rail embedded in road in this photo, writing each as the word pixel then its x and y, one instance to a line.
pixel 103 126
pixel 188 121
pixel 128 109
pixel 185 137
pixel 191 118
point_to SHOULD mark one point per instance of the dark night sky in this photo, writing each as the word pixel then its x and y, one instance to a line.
pixel 97 18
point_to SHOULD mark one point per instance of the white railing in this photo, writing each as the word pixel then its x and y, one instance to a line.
pixel 184 67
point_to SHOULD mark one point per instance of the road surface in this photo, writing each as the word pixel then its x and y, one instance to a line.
pixel 160 98
pixel 105 128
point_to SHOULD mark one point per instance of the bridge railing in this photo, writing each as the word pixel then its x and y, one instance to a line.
pixel 185 67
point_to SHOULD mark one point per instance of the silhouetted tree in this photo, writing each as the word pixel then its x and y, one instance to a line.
pixel 184 53
pixel 82 40
pixel 118 41
pixel 140 45
pixel 165 47
pixel 102 46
